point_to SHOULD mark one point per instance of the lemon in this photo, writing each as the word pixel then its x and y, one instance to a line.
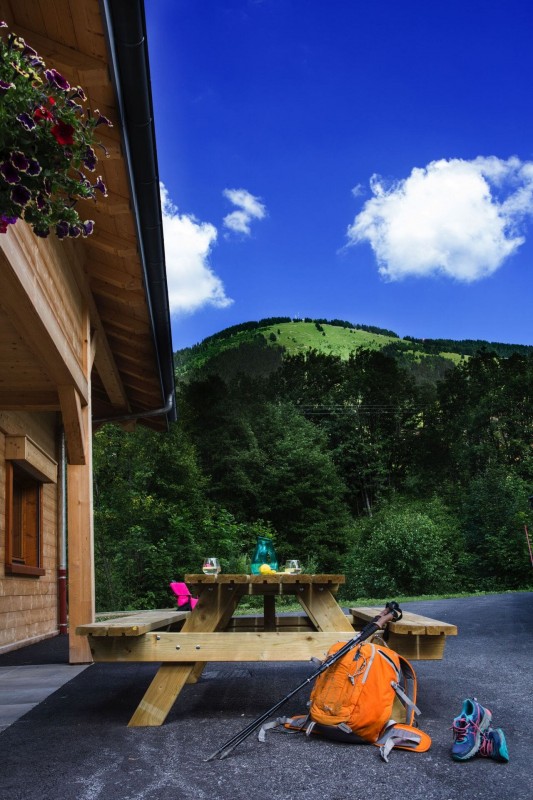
pixel 264 569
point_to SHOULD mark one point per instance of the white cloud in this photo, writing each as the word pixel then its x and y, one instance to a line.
pixel 248 209
pixel 188 243
pixel 459 218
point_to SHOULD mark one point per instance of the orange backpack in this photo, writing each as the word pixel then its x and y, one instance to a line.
pixel 352 700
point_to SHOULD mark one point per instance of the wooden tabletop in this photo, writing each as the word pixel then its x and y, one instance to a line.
pixel 273 577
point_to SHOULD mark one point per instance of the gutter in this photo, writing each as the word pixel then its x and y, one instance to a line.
pixel 157 412
pixel 125 31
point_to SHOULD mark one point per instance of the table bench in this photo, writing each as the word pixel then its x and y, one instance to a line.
pixel 182 642
pixel 416 637
pixel 135 623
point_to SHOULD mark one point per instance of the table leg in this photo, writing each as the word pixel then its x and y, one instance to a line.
pixel 323 610
pixel 161 695
pixel 215 608
pixel 269 612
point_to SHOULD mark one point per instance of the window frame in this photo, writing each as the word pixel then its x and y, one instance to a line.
pixel 17 481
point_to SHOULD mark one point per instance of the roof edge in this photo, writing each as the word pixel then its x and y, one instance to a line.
pixel 125 31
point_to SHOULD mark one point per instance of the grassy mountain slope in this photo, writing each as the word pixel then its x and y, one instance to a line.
pixel 335 338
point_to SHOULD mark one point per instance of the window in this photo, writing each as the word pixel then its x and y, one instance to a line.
pixel 24 522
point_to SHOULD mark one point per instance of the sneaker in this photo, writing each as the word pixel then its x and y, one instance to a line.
pixel 467 729
pixel 493 745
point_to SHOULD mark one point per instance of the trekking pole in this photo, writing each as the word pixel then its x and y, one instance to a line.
pixel 392 611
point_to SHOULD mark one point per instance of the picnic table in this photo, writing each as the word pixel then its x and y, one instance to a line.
pixel 183 642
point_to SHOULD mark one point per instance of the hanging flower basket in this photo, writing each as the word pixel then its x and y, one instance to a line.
pixel 47 144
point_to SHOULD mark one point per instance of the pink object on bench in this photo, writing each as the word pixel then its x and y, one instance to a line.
pixel 185 600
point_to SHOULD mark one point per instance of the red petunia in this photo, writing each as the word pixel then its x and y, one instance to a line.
pixel 42 113
pixel 63 133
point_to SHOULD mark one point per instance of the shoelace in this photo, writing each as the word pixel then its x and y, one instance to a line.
pixel 486 747
pixel 460 730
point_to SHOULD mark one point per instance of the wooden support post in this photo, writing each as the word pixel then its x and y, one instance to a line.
pixel 81 602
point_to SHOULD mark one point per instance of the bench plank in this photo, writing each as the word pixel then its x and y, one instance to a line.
pixel 410 623
pixel 135 624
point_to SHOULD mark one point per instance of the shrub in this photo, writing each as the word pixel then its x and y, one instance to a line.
pixel 407 548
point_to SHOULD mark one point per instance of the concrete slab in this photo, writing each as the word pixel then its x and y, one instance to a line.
pixel 23 687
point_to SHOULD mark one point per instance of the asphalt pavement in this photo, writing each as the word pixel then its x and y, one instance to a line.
pixel 75 743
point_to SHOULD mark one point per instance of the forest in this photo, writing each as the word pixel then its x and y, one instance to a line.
pixel 407 479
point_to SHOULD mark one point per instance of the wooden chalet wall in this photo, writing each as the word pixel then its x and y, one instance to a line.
pixel 28 606
pixel 47 355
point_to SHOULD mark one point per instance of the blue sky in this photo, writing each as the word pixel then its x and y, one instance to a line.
pixel 368 161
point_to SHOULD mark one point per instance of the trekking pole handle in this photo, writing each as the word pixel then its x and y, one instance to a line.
pixel 391 613
pixel 394 608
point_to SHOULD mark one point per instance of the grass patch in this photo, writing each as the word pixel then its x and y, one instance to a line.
pixel 254 605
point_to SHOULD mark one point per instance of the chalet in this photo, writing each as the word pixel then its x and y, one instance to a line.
pixel 84 326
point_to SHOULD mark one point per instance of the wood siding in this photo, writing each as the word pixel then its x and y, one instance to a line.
pixel 28 605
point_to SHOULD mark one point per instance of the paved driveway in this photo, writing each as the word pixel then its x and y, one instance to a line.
pixel 75 744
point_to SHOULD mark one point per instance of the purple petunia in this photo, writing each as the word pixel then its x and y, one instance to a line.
pixel 100 185
pixel 75 106
pixel 42 232
pixel 34 168
pixel 20 161
pixel 41 202
pixel 62 229
pixel 5 217
pixel 28 51
pixel 21 195
pixel 5 86
pixel 26 121
pixel 90 159
pixel 87 227
pixel 5 220
pixel 56 79
pixel 101 119
pixel 74 231
pixel 9 173
pixel 78 92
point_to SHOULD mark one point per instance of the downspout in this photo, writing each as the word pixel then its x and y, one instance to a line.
pixel 62 539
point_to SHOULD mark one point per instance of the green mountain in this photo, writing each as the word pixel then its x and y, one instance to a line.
pixel 258 347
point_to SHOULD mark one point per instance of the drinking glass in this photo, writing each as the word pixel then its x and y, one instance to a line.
pixel 293 566
pixel 211 566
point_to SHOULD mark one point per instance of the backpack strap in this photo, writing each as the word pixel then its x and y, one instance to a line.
pixel 287 724
pixel 408 693
pixel 405 737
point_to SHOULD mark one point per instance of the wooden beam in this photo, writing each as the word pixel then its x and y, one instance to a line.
pixel 102 353
pixel 13 400
pixel 30 312
pixel 112 206
pixel 100 240
pixel 184 647
pixel 122 278
pixel 73 424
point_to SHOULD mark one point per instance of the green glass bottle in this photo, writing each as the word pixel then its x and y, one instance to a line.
pixel 264 553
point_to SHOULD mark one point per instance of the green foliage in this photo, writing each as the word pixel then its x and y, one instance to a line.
pixel 494 510
pixel 351 462
pixel 405 547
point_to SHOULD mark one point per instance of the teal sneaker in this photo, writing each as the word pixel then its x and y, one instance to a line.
pixel 468 728
pixel 493 745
